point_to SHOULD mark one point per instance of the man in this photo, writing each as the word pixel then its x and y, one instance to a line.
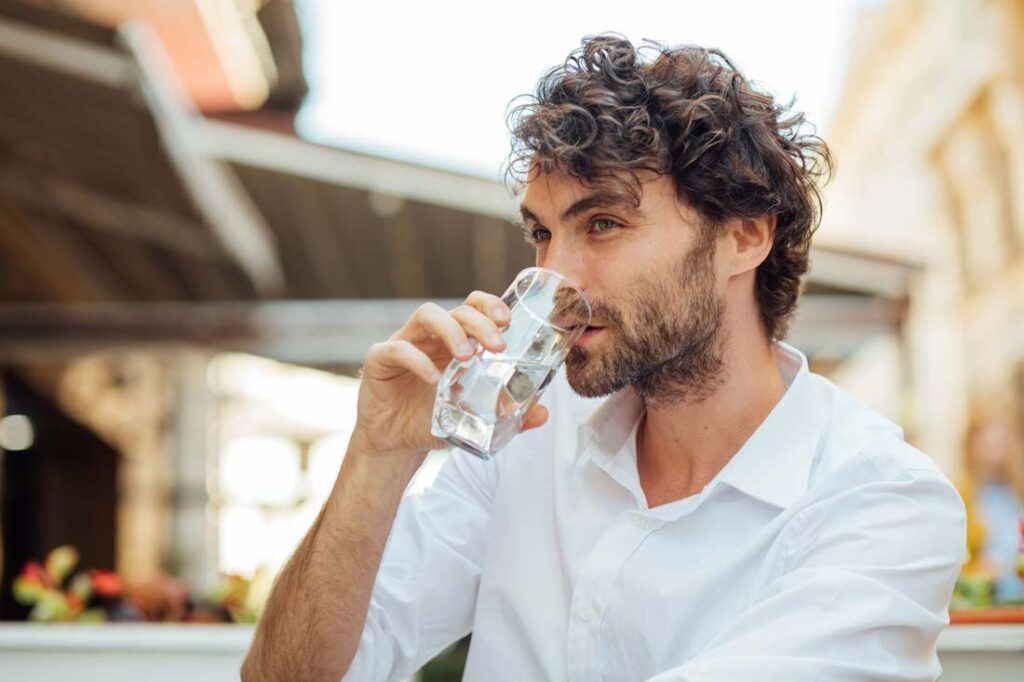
pixel 689 502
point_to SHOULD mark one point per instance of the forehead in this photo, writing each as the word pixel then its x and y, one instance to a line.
pixel 560 194
pixel 554 178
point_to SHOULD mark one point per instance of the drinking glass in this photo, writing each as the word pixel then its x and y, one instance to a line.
pixel 481 402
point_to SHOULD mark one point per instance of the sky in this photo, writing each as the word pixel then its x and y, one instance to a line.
pixel 430 82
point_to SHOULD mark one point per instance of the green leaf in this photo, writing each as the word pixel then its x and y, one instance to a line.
pixel 94 615
pixel 81 586
pixel 60 562
pixel 243 615
pixel 27 591
pixel 52 606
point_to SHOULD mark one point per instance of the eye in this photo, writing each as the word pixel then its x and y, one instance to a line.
pixel 608 222
pixel 537 235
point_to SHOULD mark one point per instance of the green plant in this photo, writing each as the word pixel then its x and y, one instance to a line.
pixel 56 594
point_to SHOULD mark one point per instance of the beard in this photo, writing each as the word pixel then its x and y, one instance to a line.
pixel 671 347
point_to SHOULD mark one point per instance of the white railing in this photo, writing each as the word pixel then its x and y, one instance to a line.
pixel 201 653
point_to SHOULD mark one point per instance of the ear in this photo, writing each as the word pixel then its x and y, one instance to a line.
pixel 749 241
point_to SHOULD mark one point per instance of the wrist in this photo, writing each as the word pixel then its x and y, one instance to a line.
pixel 375 475
pixel 366 445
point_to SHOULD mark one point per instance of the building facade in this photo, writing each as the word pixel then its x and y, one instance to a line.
pixel 929 139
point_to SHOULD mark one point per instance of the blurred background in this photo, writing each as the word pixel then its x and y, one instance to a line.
pixel 209 209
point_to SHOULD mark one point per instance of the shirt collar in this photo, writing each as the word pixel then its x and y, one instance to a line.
pixel 774 463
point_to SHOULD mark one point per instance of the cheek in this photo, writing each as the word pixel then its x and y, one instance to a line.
pixel 631 278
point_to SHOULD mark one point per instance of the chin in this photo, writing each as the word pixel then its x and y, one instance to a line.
pixel 586 390
pixel 585 379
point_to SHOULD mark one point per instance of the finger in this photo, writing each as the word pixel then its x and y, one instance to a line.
pixel 389 359
pixel 480 327
pixel 431 319
pixel 537 416
pixel 490 305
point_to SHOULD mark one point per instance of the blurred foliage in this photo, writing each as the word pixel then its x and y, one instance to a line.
pixel 972 591
pixel 448 665
pixel 57 594
pixel 975 586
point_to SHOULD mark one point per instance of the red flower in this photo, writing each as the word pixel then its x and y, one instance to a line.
pixel 106 583
pixel 35 573
pixel 74 602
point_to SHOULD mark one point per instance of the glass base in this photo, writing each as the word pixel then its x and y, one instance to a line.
pixel 470 432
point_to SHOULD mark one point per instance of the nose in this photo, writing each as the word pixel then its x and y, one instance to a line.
pixel 566 259
pixel 570 263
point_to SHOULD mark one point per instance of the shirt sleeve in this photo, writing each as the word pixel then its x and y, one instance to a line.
pixel 863 593
pixel 425 592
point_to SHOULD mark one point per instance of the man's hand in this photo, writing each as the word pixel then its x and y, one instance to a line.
pixel 399 378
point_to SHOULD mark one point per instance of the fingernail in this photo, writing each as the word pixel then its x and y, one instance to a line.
pixel 499 312
pixel 465 348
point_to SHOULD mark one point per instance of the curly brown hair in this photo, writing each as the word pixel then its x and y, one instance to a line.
pixel 606 114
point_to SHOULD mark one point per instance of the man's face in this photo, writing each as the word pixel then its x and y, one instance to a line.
pixel 650 274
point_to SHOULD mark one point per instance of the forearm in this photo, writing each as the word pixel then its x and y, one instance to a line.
pixel 313 620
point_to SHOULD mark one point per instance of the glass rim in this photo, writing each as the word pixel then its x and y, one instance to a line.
pixel 562 278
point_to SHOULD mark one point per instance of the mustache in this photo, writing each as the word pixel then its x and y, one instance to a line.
pixel 572 313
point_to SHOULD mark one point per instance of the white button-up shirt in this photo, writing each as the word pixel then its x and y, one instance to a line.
pixel 825 549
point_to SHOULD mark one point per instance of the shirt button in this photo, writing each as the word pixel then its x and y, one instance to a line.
pixel 639 520
pixel 586 613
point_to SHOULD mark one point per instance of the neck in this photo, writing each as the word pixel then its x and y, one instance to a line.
pixel 683 445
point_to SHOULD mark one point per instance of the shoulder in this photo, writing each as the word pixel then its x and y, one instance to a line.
pixel 865 474
pixel 860 443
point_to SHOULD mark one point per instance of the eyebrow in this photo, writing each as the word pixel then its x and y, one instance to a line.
pixel 596 200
